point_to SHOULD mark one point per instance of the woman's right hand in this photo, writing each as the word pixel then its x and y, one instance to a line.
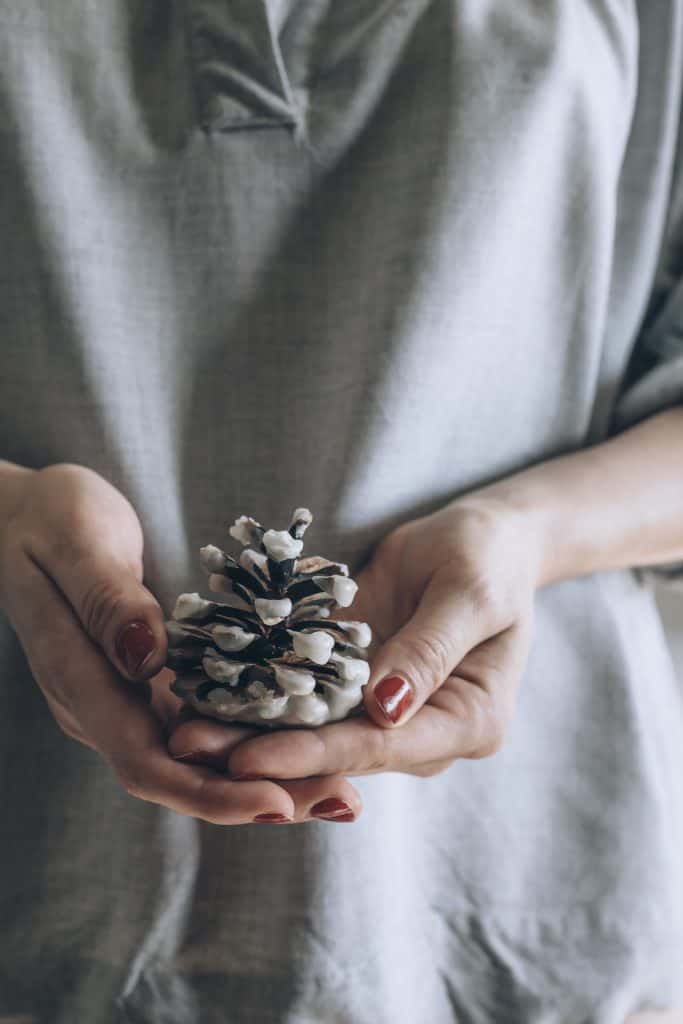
pixel 71 586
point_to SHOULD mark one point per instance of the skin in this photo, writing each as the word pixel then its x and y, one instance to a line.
pixel 449 597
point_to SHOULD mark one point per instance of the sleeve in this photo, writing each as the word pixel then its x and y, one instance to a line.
pixel 653 380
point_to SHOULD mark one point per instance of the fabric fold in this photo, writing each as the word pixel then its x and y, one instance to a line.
pixel 241 79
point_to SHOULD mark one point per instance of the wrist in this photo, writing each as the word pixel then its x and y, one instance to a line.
pixel 613 505
pixel 515 514
pixel 526 500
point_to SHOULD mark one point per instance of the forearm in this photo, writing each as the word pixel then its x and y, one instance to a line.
pixel 612 506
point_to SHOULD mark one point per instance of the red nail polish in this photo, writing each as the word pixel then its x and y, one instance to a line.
pixel 272 817
pixel 394 696
pixel 330 808
pixel 342 817
pixel 135 643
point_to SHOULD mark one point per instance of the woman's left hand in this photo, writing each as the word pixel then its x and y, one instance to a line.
pixel 450 599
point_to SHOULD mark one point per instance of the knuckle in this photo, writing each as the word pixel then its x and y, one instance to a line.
pixel 60 469
pixel 202 804
pixel 131 780
pixel 431 768
pixel 101 604
pixel 139 784
pixel 483 596
pixel 395 539
pixel 65 474
pixel 429 648
pixel 377 750
pixel 487 726
pixel 494 739
pixel 66 549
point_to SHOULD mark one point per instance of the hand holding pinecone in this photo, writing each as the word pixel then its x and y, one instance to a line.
pixel 270 654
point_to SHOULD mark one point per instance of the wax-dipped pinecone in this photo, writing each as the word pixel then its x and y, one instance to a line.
pixel 270 654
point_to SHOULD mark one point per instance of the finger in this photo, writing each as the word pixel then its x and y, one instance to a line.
pixel 466 717
pixel 211 743
pixel 356 746
pixel 200 740
pixel 449 621
pixel 104 587
pixel 326 798
pixel 200 792
pixel 494 668
pixel 114 719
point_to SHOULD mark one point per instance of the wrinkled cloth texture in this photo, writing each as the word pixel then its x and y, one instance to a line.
pixel 363 257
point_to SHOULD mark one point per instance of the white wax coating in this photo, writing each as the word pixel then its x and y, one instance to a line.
pixel 317 645
pixel 231 638
pixel 354 670
pixel 222 671
pixel 281 545
pixel 342 588
pixel 212 558
pixel 359 633
pixel 222 701
pixel 311 709
pixel 294 680
pixel 190 606
pixel 241 529
pixel 273 708
pixel 272 611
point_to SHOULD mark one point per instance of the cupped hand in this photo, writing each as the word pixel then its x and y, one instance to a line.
pixel 71 574
pixel 450 599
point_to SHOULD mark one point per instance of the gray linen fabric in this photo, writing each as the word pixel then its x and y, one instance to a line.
pixel 362 256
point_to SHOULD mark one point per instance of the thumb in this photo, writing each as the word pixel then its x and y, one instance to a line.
pixel 114 607
pixel 417 659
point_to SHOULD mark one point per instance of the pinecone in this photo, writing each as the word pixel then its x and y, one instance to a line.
pixel 271 654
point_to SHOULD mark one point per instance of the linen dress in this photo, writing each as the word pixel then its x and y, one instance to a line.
pixel 360 256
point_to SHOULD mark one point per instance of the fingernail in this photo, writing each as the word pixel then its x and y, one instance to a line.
pixel 331 808
pixel 247 777
pixel 272 817
pixel 394 696
pixel 192 757
pixel 135 643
